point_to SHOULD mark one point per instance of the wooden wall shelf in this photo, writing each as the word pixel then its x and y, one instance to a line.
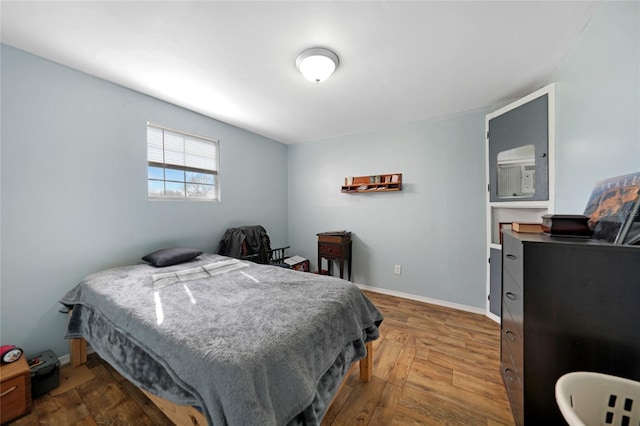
pixel 373 183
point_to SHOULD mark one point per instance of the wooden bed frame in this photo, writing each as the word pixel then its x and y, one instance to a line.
pixel 186 414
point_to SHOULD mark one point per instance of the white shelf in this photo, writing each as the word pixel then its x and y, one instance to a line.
pixel 520 204
pixel 510 213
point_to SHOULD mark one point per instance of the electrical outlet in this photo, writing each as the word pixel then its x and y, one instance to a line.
pixel 397 269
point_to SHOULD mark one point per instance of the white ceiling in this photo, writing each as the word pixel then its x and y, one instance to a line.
pixel 235 61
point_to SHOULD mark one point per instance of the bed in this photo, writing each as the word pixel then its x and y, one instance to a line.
pixel 245 344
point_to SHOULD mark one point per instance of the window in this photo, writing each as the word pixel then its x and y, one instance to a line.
pixel 181 166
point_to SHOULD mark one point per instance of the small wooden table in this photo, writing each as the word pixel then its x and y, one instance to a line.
pixel 15 390
pixel 335 250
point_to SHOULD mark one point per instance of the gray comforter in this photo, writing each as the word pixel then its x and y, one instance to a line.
pixel 249 344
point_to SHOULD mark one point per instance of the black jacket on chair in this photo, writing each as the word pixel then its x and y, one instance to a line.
pixel 250 242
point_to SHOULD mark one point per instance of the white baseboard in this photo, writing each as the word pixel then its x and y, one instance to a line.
pixel 493 317
pixel 66 359
pixel 437 302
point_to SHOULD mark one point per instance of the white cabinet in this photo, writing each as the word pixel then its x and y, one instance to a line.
pixel 520 165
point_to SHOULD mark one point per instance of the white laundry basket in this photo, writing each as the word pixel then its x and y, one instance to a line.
pixel 587 399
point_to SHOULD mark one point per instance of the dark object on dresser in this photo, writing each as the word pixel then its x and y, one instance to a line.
pixel 566 224
pixel 567 305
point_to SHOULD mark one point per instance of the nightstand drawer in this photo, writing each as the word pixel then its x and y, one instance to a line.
pixel 15 395
pixel 330 250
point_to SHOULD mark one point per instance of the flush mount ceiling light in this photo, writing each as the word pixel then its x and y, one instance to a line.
pixel 317 64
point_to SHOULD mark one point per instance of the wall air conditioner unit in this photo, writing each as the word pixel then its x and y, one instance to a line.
pixel 516 180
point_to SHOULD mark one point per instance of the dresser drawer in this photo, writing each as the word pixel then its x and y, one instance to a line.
pixel 512 382
pixel 515 392
pixel 330 250
pixel 512 340
pixel 512 258
pixel 513 298
pixel 15 399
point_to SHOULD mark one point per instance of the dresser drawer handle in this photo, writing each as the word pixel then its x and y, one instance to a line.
pixel 509 373
pixel 511 296
pixel 511 256
pixel 8 391
pixel 510 335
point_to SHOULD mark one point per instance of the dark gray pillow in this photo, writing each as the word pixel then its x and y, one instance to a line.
pixel 171 256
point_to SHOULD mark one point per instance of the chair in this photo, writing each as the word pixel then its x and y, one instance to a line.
pixel 251 243
pixel 586 398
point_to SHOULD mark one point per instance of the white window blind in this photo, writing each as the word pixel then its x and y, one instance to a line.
pixel 181 165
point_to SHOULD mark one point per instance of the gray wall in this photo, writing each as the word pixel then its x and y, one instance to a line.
pixel 74 190
pixel 74 197
pixel 598 105
pixel 435 228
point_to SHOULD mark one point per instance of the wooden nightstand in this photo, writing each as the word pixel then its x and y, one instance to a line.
pixel 335 248
pixel 15 390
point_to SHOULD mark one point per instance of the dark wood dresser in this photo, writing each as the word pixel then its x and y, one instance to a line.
pixel 335 247
pixel 568 304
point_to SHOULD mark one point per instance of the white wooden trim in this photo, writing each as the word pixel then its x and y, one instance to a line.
pixel 552 148
pixel 549 205
pixel 519 204
pixel 487 195
pixel 494 317
pixel 437 302
pixel 549 89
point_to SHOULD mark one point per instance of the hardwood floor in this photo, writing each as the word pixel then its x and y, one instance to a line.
pixel 432 366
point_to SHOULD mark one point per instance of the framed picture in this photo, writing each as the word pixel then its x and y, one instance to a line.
pixel 613 208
